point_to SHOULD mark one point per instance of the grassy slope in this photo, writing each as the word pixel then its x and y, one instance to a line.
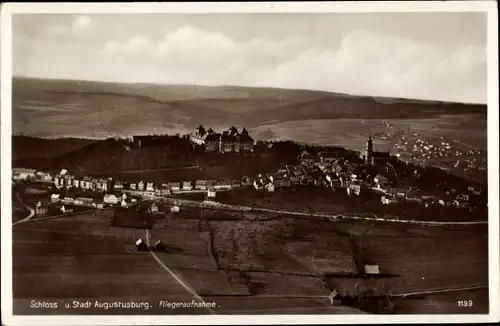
pixel 54 107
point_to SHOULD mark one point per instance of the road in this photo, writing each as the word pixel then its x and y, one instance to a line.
pixel 31 211
pixel 171 273
pixel 153 170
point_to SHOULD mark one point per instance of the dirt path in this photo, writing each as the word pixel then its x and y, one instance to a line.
pixel 31 211
pixel 171 273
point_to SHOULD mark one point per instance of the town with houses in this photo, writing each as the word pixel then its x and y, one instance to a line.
pixel 327 169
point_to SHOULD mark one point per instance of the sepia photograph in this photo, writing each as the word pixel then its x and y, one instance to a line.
pixel 327 162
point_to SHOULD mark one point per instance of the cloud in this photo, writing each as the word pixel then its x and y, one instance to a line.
pixel 365 62
pixel 79 25
pixel 82 22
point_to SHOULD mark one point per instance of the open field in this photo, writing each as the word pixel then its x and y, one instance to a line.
pixel 83 258
pixel 96 261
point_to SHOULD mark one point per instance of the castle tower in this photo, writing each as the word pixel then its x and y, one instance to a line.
pixel 369 151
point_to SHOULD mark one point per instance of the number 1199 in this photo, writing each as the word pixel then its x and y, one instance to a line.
pixel 465 303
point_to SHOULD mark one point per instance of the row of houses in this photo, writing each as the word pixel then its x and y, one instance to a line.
pixel 166 188
pixel 25 174
pixel 94 200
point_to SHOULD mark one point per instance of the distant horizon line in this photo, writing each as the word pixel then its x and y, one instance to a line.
pixel 255 87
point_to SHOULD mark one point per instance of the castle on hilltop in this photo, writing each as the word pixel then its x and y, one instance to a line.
pixel 229 141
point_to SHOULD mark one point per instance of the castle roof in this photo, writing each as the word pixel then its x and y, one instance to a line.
pixel 212 137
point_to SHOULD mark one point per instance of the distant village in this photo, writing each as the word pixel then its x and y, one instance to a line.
pixel 327 169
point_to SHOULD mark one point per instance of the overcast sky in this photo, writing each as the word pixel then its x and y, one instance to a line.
pixel 438 56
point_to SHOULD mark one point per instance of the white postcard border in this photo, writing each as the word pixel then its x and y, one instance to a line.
pixel 7 10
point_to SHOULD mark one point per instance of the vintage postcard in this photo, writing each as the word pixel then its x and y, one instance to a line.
pixel 249 163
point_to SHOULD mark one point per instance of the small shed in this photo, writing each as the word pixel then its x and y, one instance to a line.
pixel 372 270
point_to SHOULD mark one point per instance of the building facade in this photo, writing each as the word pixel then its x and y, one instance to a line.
pixel 372 157
pixel 229 141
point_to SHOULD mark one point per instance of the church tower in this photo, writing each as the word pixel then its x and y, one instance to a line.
pixel 369 151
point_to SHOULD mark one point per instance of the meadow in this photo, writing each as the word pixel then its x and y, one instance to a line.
pixel 82 257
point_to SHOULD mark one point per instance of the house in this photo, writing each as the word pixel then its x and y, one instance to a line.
pixel 380 181
pixel 59 179
pixel 87 201
pixel 398 192
pixel 140 186
pixel 186 186
pixel 414 197
pixel 150 186
pixel 200 185
pixel 462 200
pixel 175 186
pixel 281 182
pixel 354 188
pixel 222 184
pixel 54 198
pixel 40 208
pixel 145 194
pixel 86 183
pixel 386 200
pixel 78 201
pixel 269 187
pixel 110 199
pixel 247 181
pixel 65 210
pixel 319 182
pixel 42 176
pixel 76 182
pixel 307 180
pixel 165 189
pixel 69 200
pixel 235 184
pixel 372 270
pixel 258 185
pixel 211 193
pixel 133 186
pixel 306 158
pixel 426 196
pixel 23 174
pixel 326 167
pixel 98 203
pixel 328 157
pixel 294 180
pixel 118 185
pixel 101 184
pixel 474 190
pixel 153 208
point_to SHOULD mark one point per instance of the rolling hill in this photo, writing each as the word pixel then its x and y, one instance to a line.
pixel 63 108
